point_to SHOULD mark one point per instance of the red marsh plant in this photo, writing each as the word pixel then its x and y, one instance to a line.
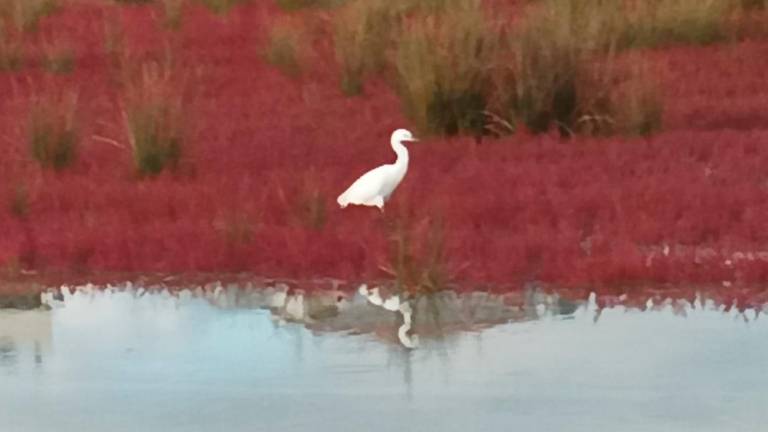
pixel 52 129
pixel 153 113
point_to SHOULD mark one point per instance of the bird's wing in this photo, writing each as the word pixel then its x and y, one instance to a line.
pixel 365 188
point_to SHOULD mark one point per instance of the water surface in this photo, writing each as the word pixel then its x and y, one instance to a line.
pixel 119 362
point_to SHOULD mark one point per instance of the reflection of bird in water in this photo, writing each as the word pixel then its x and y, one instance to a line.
pixel 294 307
pixel 372 295
pixel 394 304
pixel 402 333
pixel 374 187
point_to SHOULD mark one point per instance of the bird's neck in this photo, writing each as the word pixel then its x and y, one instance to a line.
pixel 402 154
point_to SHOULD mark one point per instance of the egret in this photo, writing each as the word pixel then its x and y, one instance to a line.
pixel 375 187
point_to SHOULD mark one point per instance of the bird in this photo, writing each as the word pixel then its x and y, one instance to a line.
pixel 376 186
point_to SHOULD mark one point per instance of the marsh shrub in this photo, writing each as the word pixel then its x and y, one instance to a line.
pixel 24 15
pixel 363 35
pixel 52 129
pixel 558 63
pixel 153 115
pixel 58 57
pixel 417 256
pixel 172 12
pixel 300 4
pixel 444 63
pixel 11 51
pixel 638 101
pixel 753 4
pixel 220 7
pixel 653 23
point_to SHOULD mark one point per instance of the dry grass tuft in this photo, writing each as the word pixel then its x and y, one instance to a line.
pixel 417 257
pixel 25 15
pixel 153 112
pixel 363 36
pixel 284 49
pixel 52 129
pixel 11 51
pixel 221 7
pixel 291 5
pixel 444 64
pixel 654 23
pixel 172 13
pixel 58 57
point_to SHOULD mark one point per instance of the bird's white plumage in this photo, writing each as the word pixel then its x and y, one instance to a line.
pixel 375 187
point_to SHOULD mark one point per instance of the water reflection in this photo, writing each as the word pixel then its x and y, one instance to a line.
pixel 125 361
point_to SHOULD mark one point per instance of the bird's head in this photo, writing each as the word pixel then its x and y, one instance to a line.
pixel 402 135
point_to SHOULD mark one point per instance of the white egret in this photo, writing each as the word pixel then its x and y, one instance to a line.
pixel 375 187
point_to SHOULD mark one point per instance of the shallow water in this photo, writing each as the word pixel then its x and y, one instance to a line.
pixel 124 363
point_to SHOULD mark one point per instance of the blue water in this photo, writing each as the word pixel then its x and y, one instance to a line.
pixel 118 363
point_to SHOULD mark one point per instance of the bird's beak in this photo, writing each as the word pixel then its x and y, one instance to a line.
pixel 412 139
